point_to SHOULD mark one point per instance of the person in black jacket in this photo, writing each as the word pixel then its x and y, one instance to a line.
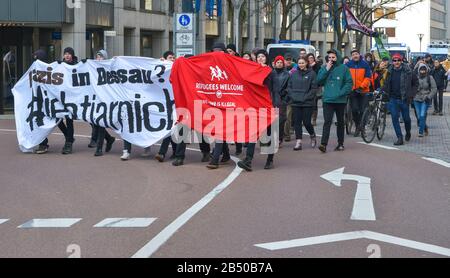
pixel 67 129
pixel 439 76
pixel 315 66
pixel 302 90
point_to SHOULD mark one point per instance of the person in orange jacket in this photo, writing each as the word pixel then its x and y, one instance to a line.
pixel 362 79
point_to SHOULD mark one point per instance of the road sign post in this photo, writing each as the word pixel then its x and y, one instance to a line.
pixel 184 35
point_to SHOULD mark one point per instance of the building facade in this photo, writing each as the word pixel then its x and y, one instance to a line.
pixel 131 28
pixel 428 19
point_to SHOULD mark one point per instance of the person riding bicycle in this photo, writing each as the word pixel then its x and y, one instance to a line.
pixel 362 79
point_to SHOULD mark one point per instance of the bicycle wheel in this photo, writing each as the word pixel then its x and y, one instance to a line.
pixel 348 119
pixel 381 124
pixel 369 125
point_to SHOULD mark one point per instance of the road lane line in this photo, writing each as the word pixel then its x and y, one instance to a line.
pixel 379 146
pixel 50 223
pixel 279 245
pixel 3 221
pixel 437 161
pixel 151 247
pixel 125 223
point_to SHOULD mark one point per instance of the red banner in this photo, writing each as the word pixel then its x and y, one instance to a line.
pixel 222 96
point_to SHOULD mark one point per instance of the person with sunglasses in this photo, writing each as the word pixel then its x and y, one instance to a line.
pixel 398 86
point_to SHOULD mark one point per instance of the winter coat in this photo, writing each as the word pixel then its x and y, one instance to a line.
pixel 425 87
pixel 278 89
pixel 406 91
pixel 302 88
pixel 337 82
pixel 439 76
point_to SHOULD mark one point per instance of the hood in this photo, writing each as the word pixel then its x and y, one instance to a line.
pixel 338 55
pixel 421 66
pixel 103 53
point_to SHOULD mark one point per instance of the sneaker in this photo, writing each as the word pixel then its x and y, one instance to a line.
pixel 109 144
pixel 269 165
pixel 399 142
pixel 225 160
pixel 408 137
pixel 178 162
pixel 434 113
pixel 146 152
pixel 42 149
pixel 99 152
pixel 67 149
pixel 420 135
pixel 92 144
pixel 313 141
pixel 441 114
pixel 245 164
pixel 126 156
pixel 160 157
pixel 212 166
pixel 323 148
pixel 206 157
pixel 339 148
pixel 298 145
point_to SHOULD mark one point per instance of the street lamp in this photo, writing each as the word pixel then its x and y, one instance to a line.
pixel 420 40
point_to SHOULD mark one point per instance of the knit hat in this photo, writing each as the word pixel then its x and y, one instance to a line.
pixel 397 56
pixel 70 51
pixel 219 45
pixel 103 54
pixel 262 51
pixel 279 58
pixel 232 47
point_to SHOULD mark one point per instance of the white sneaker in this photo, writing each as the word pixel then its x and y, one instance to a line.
pixel 125 156
pixel 146 152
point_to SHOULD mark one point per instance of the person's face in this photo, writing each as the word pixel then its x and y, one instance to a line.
pixel 332 57
pixel 346 60
pixel 368 59
pixel 436 64
pixel 383 64
pixel 288 63
pixel 302 64
pixel 170 58
pixel 302 53
pixel 423 71
pixel 231 52
pixel 68 57
pixel 355 56
pixel 311 60
pixel 397 62
pixel 99 57
pixel 253 56
pixel 261 59
pixel 279 64
pixel 427 59
pixel 247 57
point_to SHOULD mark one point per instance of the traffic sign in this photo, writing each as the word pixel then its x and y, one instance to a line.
pixel 184 22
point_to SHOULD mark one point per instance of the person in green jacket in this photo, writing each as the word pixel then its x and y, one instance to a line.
pixel 338 83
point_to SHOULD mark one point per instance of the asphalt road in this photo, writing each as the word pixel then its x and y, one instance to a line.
pixel 237 210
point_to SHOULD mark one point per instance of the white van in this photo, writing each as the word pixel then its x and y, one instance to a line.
pixel 292 49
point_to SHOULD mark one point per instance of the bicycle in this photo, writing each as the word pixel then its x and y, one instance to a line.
pixel 348 118
pixel 374 118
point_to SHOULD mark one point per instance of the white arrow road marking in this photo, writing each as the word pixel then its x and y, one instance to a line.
pixel 379 146
pixel 125 223
pixel 50 223
pixel 363 205
pixel 279 245
pixel 438 161
pixel 3 221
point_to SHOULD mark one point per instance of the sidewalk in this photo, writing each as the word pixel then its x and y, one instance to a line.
pixel 436 145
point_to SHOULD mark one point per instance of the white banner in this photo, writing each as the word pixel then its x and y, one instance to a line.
pixel 131 95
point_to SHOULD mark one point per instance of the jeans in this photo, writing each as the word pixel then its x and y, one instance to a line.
pixel 302 116
pixel 397 107
pixel 220 147
pixel 288 123
pixel 438 100
pixel 421 108
pixel 328 112
pixel 358 102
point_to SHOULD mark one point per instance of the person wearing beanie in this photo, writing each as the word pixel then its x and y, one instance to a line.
pixel 231 49
pixel 219 47
pixel 67 128
pixel 280 78
pixel 398 87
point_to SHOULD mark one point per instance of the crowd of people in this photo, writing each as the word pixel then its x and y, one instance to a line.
pixel 296 87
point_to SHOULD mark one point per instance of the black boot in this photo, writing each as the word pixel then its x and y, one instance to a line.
pixel 269 165
pixel 99 152
pixel 67 149
pixel 245 164
pixel 206 157
pixel 109 144
pixel 178 162
pixel 399 142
